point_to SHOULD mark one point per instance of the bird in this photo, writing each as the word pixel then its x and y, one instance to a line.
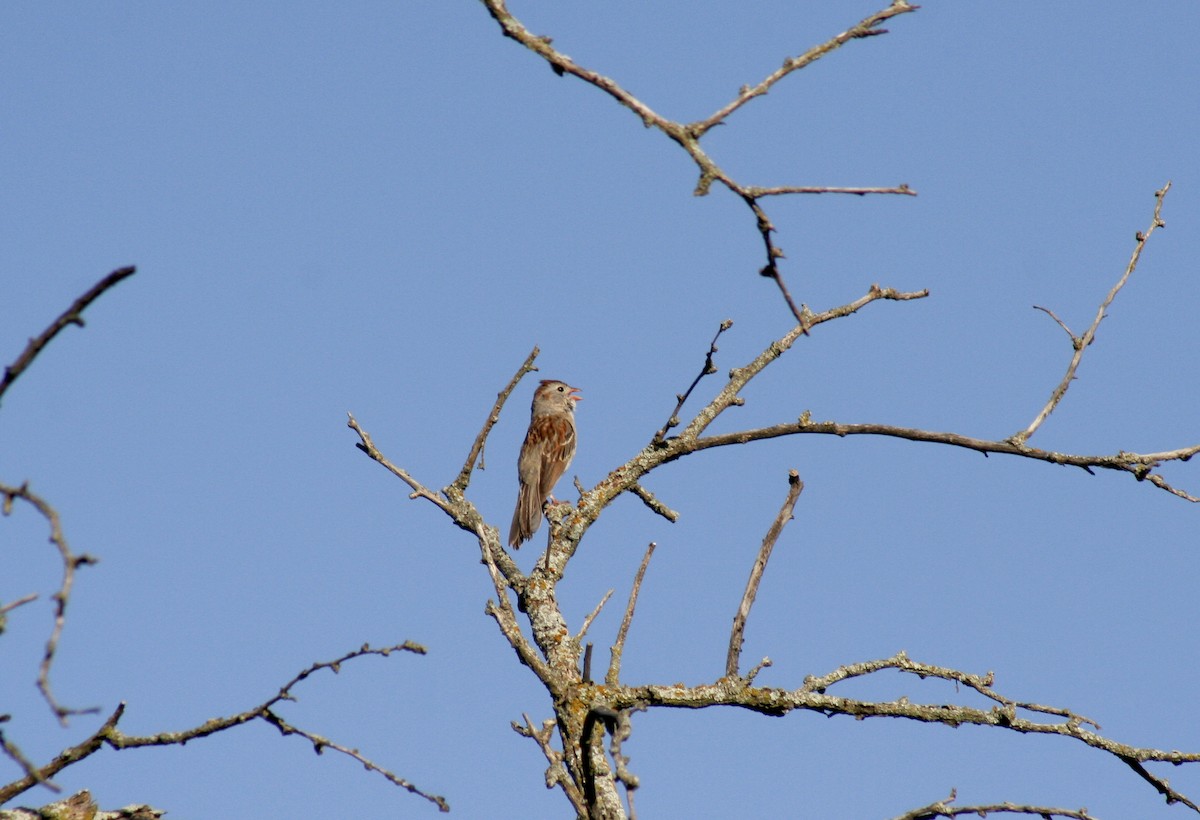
pixel 545 455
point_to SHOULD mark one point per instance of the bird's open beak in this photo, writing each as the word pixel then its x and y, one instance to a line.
pixel 572 393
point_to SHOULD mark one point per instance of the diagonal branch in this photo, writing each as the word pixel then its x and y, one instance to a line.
pixel 737 634
pixel 476 454
pixel 618 648
pixel 867 27
pixel 708 369
pixel 419 489
pixel 1081 343
pixel 71 316
pixel 109 734
pixel 651 501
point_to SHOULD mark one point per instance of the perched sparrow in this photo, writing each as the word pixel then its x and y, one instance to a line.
pixel 548 449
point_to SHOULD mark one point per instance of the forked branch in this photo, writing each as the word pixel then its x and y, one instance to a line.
pixel 108 734
pixel 1081 343
pixel 70 562
pixel 688 135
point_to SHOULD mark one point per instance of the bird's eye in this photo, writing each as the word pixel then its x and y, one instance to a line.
pixel 560 389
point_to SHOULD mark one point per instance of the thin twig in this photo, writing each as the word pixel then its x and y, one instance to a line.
pixel 942 808
pixel 1081 343
pixel 1061 323
pixel 587 622
pixel 556 775
pixel 1160 784
pixel 780 190
pixel 614 665
pixel 11 605
pixel 14 753
pixel 737 634
pixel 70 561
pixel 864 28
pixel 71 316
pixel 708 369
pixel 419 489
pixel 650 500
pixel 464 475
pixel 112 736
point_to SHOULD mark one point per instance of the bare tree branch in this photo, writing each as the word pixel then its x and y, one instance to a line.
pixel 813 697
pixel 867 27
pixel 781 190
pixel 708 369
pixel 1081 343
pixel 70 562
pixel 587 622
pixel 71 316
pixel 1139 465
pixel 109 734
pixel 14 753
pixel 556 774
pixel 501 610
pixel 737 634
pixel 618 648
pixel 651 501
pixel 688 135
pixel 476 454
pixel 942 808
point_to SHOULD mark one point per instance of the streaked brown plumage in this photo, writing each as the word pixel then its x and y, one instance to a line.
pixel 547 452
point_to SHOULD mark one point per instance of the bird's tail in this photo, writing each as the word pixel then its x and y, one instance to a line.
pixel 527 517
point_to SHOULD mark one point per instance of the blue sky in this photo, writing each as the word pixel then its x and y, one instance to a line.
pixel 381 208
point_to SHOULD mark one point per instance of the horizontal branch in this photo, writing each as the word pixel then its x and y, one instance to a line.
pixel 1006 714
pixel 780 190
pixel 942 808
pixel 1139 465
